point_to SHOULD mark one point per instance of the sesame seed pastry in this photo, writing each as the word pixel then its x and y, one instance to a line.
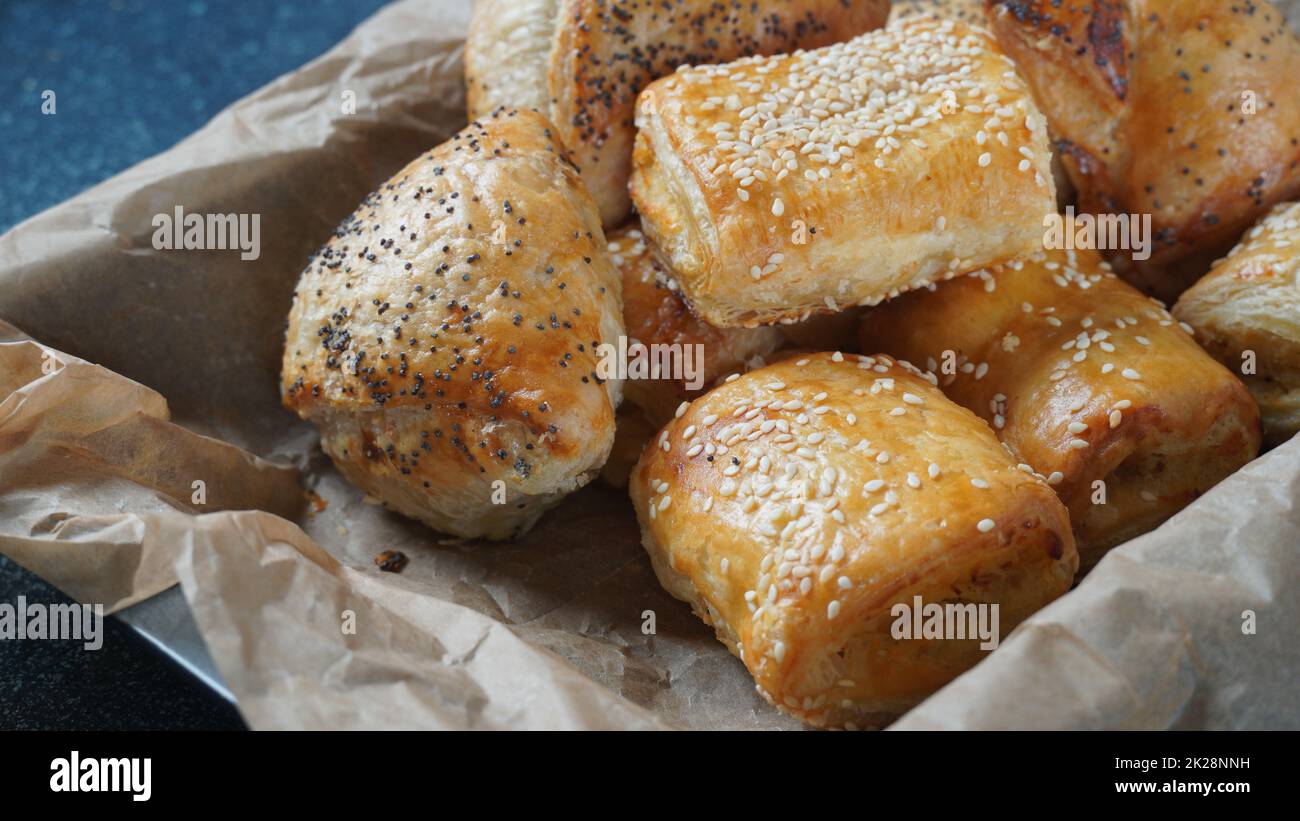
pixel 656 315
pixel 1181 109
pixel 444 339
pixel 583 62
pixel 777 188
pixel 794 506
pixel 1085 379
pixel 973 13
pixel 1248 308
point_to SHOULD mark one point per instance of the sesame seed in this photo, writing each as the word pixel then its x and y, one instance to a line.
pixel 985 525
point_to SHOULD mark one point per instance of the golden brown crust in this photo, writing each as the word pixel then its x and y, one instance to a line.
pixel 783 187
pixel 655 314
pixel 1246 312
pixel 595 56
pixel 445 338
pixel 1085 379
pixel 1149 100
pixel 794 506
pixel 970 12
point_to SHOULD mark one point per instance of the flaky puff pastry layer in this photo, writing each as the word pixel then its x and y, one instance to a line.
pixel 445 340
pixel 656 315
pixel 1181 109
pixel 777 188
pixel 794 506
pixel 583 62
pixel 1246 313
pixel 1087 381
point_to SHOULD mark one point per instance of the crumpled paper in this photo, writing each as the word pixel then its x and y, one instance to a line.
pixel 565 628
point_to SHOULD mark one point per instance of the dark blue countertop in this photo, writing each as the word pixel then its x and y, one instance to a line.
pixel 130 79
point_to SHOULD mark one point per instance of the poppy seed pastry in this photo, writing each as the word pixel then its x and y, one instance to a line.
pixel 444 341
pixel 1087 381
pixel 796 506
pixel 1180 109
pixel 1246 313
pixel 777 188
pixel 582 62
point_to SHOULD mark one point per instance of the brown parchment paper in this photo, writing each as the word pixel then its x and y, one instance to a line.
pixel 565 628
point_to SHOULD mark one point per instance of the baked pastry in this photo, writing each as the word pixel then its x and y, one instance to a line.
pixel 1180 109
pixel 656 318
pixel 824 332
pixel 1246 313
pixel 970 12
pixel 445 340
pixel 1086 380
pixel 777 188
pixel 797 506
pixel 973 13
pixel 631 433
pixel 583 62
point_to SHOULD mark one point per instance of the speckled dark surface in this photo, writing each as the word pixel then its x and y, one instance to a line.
pixel 125 684
pixel 130 79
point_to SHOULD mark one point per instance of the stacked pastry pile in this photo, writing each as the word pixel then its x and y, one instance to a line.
pixel 911 393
